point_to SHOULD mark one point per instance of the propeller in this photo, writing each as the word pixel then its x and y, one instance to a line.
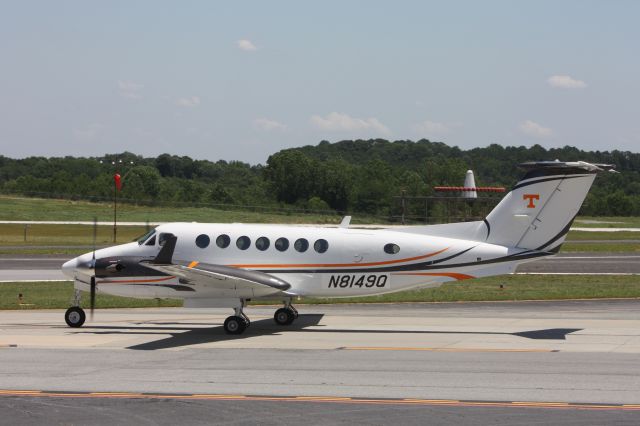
pixel 93 266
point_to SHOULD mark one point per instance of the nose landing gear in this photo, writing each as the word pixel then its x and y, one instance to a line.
pixel 75 316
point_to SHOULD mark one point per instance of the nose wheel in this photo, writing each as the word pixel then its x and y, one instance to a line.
pixel 75 316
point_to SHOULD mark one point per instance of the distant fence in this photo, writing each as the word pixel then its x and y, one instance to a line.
pixel 441 209
pixel 175 203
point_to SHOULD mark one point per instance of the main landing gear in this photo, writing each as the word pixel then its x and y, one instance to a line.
pixel 238 323
pixel 285 315
pixel 75 316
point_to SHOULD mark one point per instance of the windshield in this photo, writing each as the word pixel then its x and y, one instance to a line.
pixel 145 237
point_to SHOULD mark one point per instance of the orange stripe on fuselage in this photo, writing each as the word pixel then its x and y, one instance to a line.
pixel 455 275
pixel 193 264
pixel 338 265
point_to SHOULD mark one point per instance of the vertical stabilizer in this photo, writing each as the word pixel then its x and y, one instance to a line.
pixel 540 208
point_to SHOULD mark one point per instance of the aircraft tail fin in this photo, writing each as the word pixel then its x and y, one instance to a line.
pixel 537 213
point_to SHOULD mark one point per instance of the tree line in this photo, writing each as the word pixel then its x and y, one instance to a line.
pixel 356 176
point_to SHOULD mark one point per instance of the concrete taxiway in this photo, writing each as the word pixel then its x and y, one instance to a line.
pixel 464 363
pixel 565 352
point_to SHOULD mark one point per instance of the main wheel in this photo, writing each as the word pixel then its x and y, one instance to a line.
pixel 235 325
pixel 75 317
pixel 284 316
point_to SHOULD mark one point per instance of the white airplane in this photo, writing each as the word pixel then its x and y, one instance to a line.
pixel 227 265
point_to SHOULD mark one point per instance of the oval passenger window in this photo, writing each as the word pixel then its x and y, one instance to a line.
pixel 262 243
pixel 243 242
pixel 223 241
pixel 321 246
pixel 301 245
pixel 391 248
pixel 202 241
pixel 282 244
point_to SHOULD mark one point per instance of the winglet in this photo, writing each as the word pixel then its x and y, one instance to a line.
pixel 345 222
pixel 166 253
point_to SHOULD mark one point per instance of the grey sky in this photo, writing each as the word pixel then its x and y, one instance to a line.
pixel 242 80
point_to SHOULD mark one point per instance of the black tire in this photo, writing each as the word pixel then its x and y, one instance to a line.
pixel 235 325
pixel 284 316
pixel 75 317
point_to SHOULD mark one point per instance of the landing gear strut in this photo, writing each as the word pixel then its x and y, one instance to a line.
pixel 285 315
pixel 75 316
pixel 238 323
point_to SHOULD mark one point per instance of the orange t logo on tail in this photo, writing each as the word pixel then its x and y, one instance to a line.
pixel 531 197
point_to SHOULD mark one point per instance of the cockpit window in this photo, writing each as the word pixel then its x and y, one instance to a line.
pixel 151 242
pixel 145 237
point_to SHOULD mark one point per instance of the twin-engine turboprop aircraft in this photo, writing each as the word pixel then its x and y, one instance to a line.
pixel 226 265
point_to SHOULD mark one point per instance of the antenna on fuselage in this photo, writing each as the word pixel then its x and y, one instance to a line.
pixel 345 222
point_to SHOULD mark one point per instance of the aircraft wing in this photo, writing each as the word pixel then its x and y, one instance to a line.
pixel 211 274
pixel 220 275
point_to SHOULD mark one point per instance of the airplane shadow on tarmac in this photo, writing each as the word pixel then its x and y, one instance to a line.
pixel 187 336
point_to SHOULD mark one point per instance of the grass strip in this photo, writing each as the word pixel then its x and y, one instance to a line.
pixel 18 208
pixel 57 295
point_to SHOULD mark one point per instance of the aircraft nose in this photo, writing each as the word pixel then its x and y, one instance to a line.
pixel 82 264
pixel 69 267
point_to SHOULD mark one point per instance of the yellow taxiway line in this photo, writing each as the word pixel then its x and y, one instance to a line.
pixel 439 349
pixel 322 399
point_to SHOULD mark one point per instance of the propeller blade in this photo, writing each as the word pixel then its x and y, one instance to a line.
pixel 93 295
pixel 95 233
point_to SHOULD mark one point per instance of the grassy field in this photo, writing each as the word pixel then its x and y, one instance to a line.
pixel 15 208
pixel 57 295
pixel 20 208
pixel 607 222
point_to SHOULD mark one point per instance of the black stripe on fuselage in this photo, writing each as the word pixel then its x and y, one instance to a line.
pixel 486 222
pixel 422 266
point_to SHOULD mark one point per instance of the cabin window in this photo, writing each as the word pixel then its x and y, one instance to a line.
pixel 301 245
pixel 164 237
pixel 262 243
pixel 321 246
pixel 223 241
pixel 243 242
pixel 203 241
pixel 282 244
pixel 391 248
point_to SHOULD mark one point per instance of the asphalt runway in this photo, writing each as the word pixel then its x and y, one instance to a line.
pixel 500 363
pixel 40 267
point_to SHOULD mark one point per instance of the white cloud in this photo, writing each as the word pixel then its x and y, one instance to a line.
pixel 565 82
pixel 246 45
pixel 189 102
pixel 129 89
pixel 336 121
pixel 268 125
pixel 531 128
pixel 431 128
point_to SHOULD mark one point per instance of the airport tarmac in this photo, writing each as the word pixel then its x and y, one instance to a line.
pixel 43 267
pixel 505 362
